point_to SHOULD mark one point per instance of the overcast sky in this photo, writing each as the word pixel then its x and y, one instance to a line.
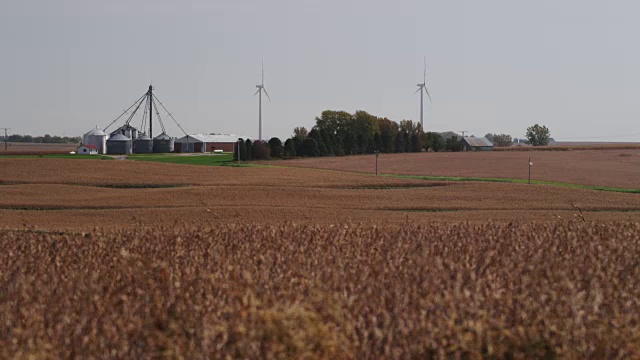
pixel 493 65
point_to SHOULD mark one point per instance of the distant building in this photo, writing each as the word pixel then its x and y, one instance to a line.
pixel 477 144
pixel 206 143
pixel 87 149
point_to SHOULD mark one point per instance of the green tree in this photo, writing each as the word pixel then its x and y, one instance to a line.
pixel 435 141
pixel 454 144
pixel 502 140
pixel 416 144
pixel 260 150
pixel 489 136
pixel 538 135
pixel 248 150
pixel 309 147
pixel 277 150
pixel 400 144
pixel 334 122
pixel 237 151
pixel 290 148
pixel 300 133
pixel 388 131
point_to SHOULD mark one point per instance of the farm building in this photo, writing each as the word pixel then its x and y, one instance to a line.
pixel 477 144
pixel 206 143
pixel 89 149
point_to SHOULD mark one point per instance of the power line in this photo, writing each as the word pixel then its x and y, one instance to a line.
pixel 6 138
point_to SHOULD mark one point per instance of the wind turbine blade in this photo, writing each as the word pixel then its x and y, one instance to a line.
pixel 262 71
pixel 256 92
pixel 419 88
pixel 424 77
pixel 266 93
pixel 425 89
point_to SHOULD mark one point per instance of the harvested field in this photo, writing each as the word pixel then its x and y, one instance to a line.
pixel 566 290
pixel 15 148
pixel 79 195
pixel 616 168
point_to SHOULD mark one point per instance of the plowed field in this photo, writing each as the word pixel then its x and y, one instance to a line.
pixel 58 194
pixel 617 168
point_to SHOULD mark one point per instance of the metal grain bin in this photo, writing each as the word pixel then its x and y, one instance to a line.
pixel 96 137
pixel 119 144
pixel 143 145
pixel 163 143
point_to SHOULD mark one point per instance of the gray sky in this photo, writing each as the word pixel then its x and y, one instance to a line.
pixel 493 65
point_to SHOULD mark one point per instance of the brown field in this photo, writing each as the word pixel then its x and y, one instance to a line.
pixel 569 146
pixel 589 167
pixel 139 259
pixel 78 195
pixel 301 291
pixel 15 148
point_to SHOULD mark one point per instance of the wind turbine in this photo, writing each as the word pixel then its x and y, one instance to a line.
pixel 421 87
pixel 259 93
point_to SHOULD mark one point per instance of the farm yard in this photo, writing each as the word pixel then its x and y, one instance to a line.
pixel 137 258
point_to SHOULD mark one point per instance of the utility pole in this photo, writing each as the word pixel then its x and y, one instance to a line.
pixel 6 138
pixel 530 165
pixel 150 95
pixel 377 153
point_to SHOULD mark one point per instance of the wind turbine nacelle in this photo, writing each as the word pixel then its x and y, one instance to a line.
pixel 259 86
pixel 420 85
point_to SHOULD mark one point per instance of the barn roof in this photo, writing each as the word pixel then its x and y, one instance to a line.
pixel 478 142
pixel 209 138
pixel 90 146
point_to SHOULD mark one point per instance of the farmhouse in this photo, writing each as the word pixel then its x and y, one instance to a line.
pixel 206 143
pixel 477 144
pixel 87 149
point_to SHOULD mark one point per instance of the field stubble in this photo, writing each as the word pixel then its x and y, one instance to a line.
pixel 346 291
pixel 616 168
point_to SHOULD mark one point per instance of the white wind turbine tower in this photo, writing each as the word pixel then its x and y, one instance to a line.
pixel 259 93
pixel 421 87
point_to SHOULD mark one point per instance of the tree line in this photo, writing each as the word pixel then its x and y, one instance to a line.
pixel 46 139
pixel 339 133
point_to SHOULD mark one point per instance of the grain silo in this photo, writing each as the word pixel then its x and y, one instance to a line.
pixel 143 145
pixel 128 131
pixel 163 143
pixel 119 144
pixel 97 138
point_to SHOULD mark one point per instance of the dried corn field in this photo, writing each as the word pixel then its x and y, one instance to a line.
pixel 132 259
pixel 353 291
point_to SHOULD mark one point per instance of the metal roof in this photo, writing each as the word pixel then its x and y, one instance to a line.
pixel 119 137
pixel 95 132
pixel 477 141
pixel 209 138
pixel 163 136
pixel 143 137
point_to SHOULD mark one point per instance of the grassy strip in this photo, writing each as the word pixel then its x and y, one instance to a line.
pixel 202 160
pixel 516 181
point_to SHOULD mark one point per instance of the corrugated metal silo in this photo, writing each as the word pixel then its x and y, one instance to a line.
pixel 163 143
pixel 143 145
pixel 119 144
pixel 96 137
